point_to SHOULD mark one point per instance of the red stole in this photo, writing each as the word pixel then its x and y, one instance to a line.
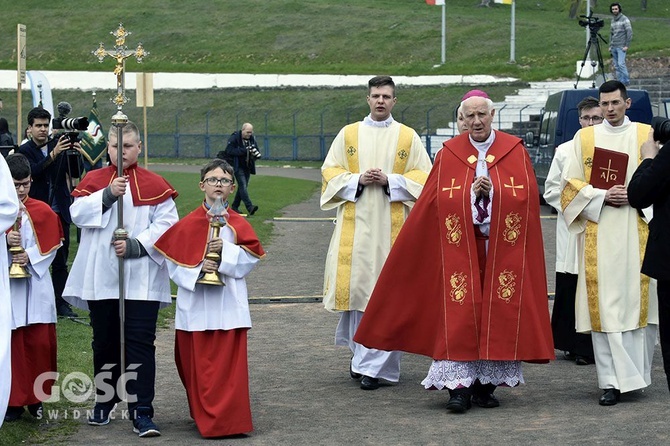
pixel 147 188
pixel 441 309
pixel 186 242
pixel 44 222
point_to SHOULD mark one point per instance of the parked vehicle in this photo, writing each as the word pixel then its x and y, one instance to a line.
pixel 560 122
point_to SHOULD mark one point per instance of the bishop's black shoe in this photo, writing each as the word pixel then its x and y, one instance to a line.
pixel 459 403
pixel 353 374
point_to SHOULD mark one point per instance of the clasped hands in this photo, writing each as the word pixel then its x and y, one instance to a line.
pixel 481 186
pixel 373 176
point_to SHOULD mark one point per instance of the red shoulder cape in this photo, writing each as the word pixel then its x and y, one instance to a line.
pixel 46 225
pixel 147 188
pixel 429 299
pixel 186 242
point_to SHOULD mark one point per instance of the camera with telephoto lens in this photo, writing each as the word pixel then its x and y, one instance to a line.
pixel 71 126
pixel 593 23
pixel 253 150
pixel 661 128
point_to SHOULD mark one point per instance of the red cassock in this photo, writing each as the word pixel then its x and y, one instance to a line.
pixel 430 299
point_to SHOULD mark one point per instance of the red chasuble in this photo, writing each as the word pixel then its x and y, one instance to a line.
pixel 147 188
pixel 44 222
pixel 429 298
pixel 186 242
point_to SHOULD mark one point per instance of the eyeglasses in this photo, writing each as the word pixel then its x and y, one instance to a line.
pixel 25 184
pixel 591 118
pixel 218 181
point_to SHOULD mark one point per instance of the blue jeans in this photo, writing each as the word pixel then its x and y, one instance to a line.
pixel 619 58
pixel 242 177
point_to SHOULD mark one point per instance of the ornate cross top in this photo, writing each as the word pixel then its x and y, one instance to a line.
pixel 120 54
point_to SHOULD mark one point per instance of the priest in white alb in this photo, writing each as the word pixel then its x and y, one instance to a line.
pixel 373 174
pixel 615 302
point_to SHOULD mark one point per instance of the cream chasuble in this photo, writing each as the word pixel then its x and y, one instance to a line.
pixel 366 227
pixel 612 295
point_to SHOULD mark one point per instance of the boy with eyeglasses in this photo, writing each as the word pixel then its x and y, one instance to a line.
pixel 212 320
pixel 39 235
pixel 148 211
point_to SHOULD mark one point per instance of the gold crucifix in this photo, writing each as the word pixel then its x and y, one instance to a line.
pixel 451 189
pixel 120 54
pixel 514 187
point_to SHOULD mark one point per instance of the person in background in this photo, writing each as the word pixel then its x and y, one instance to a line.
pixel 621 34
pixel 53 165
pixel 241 153
pixel 577 346
pixel 6 138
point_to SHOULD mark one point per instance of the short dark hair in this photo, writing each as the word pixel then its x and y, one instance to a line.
pixel 381 81
pixel 38 113
pixel 587 102
pixel 215 164
pixel 616 4
pixel 18 165
pixel 611 87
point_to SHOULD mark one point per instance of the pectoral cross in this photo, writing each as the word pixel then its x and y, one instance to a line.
pixel 451 189
pixel 514 187
pixel 120 54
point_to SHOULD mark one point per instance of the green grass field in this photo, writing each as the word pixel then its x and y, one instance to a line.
pixel 74 338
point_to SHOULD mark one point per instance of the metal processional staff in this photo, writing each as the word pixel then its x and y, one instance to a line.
pixel 119 120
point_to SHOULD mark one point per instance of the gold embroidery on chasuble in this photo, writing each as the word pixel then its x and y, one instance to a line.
pixel 454 229
pixel 399 166
pixel 345 250
pixel 452 188
pixel 458 287
pixel 643 235
pixel 570 191
pixel 513 186
pixel 489 158
pixel 472 159
pixel 507 285
pixel 512 230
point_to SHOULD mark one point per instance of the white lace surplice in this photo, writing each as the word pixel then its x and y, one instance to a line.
pixel 455 374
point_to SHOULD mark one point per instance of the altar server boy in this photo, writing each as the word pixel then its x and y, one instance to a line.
pixel 212 320
pixel 39 234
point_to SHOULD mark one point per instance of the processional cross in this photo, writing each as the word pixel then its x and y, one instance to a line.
pixel 119 120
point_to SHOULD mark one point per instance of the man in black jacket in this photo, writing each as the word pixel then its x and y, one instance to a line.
pixel 52 166
pixel 650 185
pixel 242 153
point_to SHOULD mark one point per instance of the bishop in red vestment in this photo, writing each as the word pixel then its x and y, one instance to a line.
pixel 477 301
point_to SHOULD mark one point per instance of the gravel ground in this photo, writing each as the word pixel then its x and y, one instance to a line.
pixel 302 394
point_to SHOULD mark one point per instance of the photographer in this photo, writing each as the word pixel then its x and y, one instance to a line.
pixel 649 186
pixel 242 153
pixel 53 162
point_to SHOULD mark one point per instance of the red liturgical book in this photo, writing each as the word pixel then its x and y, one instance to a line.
pixel 609 168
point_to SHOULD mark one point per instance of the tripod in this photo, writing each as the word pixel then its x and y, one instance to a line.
pixel 593 43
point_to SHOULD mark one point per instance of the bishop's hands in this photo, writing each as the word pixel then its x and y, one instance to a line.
pixel 481 186
pixel 373 176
